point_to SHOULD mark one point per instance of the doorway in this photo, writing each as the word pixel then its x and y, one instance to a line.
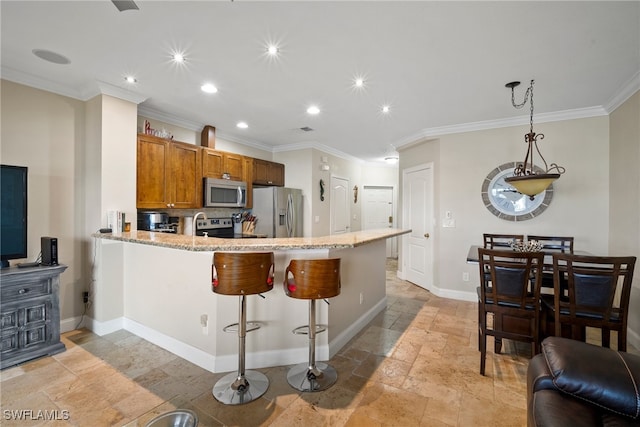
pixel 340 212
pixel 379 212
pixel 417 208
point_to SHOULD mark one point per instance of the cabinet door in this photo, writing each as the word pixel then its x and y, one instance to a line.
pixel 268 173
pixel 212 163
pixel 151 173
pixel 186 177
pixel 248 178
pixel 234 166
pixel 260 171
pixel 275 174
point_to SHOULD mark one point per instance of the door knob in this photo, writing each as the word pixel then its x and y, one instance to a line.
pixel 426 235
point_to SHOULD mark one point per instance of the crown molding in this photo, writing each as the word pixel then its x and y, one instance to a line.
pixel 36 82
pixel 101 88
pixel 169 118
pixel 105 88
pixel 430 133
pixel 197 127
pixel 316 146
pixel 626 92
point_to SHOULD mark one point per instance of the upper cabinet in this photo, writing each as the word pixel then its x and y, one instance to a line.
pixel 268 173
pixel 248 178
pixel 169 174
pixel 217 163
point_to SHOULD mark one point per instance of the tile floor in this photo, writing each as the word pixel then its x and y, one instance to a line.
pixel 416 364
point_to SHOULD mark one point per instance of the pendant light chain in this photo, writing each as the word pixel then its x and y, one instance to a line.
pixel 526 179
pixel 530 92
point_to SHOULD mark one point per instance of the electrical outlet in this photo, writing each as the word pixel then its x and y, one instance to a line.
pixel 204 322
pixel 465 276
pixel 85 297
pixel 361 298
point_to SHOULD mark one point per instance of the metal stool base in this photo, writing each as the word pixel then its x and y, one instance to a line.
pixel 321 378
pixel 234 390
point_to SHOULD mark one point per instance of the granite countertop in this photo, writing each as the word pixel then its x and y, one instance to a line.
pixel 200 243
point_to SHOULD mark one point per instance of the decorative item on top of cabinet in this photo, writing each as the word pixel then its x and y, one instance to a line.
pixel 169 174
pixel 268 173
pixel 208 137
pixel 220 164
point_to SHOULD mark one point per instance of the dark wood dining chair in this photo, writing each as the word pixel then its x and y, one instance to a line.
pixel 551 245
pixel 512 296
pixel 554 243
pixel 497 241
pixel 596 295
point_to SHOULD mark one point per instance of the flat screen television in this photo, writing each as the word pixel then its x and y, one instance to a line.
pixel 13 213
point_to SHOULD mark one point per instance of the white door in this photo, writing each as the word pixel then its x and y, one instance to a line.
pixel 339 205
pixel 417 208
pixel 378 213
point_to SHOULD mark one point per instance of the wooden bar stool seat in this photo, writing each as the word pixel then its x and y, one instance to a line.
pixel 241 274
pixel 312 280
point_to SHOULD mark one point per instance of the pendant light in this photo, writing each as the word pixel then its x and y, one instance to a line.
pixel 525 179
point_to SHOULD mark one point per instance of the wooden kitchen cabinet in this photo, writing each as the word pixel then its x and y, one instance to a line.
pixel 248 178
pixel 268 173
pixel 169 174
pixel 216 163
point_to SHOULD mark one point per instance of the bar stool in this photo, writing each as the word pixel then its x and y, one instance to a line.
pixel 241 274
pixel 312 280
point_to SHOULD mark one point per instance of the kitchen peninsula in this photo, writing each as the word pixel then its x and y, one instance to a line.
pixel 158 286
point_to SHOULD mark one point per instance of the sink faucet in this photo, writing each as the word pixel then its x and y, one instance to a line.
pixel 195 218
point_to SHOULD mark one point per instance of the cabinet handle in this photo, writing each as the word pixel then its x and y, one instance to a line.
pixel 23 291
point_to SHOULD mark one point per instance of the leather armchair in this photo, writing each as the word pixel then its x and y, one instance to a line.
pixel 571 383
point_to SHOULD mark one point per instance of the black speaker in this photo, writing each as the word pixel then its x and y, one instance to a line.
pixel 49 248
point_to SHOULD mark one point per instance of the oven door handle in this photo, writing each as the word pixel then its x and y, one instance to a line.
pixel 239 196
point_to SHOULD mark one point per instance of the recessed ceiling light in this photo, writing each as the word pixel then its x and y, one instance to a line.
pixel 242 125
pixel 386 109
pixel 50 56
pixel 209 88
pixel 313 110
pixel 272 50
pixel 130 79
pixel 359 82
pixel 178 57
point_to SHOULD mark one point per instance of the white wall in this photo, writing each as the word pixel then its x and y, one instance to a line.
pixel 45 132
pixel 624 189
pixel 461 163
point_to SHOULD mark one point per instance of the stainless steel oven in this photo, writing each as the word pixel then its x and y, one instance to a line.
pixel 224 193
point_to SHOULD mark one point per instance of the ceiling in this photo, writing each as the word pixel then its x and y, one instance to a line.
pixel 439 66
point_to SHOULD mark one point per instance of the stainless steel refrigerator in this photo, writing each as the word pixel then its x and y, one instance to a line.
pixel 278 210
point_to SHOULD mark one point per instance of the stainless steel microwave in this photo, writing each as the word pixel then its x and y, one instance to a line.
pixel 224 193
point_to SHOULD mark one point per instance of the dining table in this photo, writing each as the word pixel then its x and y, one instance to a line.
pixel 472 258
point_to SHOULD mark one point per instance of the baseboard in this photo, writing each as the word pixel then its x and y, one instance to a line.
pixel 71 324
pixel 343 338
pixel 227 363
pixel 179 348
pixel 103 328
pixel 457 295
